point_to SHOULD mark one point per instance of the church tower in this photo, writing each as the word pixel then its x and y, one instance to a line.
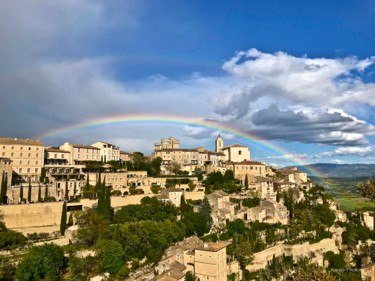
pixel 219 144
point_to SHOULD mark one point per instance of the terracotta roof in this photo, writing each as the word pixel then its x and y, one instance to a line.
pixel 233 145
pixel 55 149
pixel 20 141
pixel 177 149
pixel 263 179
pixel 174 190
pixel 216 153
pixel 177 266
pixel 213 247
pixel 246 163
pixel 83 146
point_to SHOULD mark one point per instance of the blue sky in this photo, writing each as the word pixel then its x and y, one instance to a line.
pixel 299 74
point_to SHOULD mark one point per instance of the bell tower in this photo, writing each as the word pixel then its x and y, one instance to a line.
pixel 219 143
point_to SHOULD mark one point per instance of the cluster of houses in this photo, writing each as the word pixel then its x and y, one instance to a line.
pixel 26 163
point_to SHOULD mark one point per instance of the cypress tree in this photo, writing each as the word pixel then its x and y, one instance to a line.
pixel 87 186
pixel 3 191
pixel 63 219
pixel 104 201
pixel 29 192
pixel 75 189
pixel 21 193
pixel 43 175
pixel 107 204
pixel 39 193
pixel 46 192
pixel 66 190
pixel 246 183
pixel 100 194
pixel 98 184
pixel 205 210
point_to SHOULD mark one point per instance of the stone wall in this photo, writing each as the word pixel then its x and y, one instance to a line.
pixel 194 195
pixel 32 215
pixel 297 251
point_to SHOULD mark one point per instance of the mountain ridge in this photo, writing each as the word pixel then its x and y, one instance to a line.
pixel 338 170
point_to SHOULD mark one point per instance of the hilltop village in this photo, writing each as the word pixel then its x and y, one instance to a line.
pixel 178 214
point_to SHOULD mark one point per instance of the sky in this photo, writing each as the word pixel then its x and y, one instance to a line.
pixel 296 77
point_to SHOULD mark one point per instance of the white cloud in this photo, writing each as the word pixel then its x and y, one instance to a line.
pixel 337 161
pixel 358 151
pixel 309 97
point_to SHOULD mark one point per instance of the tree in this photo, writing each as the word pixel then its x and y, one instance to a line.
pixel 111 255
pixel 44 262
pixel 190 276
pixel 3 191
pixel 104 201
pixel 29 192
pixel 367 189
pixel 184 207
pixel 92 227
pixel 246 183
pixel 46 192
pixel 206 210
pixel 63 219
pixel 312 273
pixel 21 193
pixel 75 189
pixel 66 194
pixel 229 175
pixel 39 193
pixel 42 175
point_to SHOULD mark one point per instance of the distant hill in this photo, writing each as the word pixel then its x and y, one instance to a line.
pixel 340 170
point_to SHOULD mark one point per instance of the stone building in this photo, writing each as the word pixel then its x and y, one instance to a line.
pixel 125 156
pixel 81 153
pixel 251 169
pixel 6 171
pixel 108 152
pixel 27 157
pixel 208 261
pixel 172 195
pixel 173 157
pixel 236 153
pixel 222 208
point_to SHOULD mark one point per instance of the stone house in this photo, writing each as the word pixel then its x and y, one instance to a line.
pixel 208 261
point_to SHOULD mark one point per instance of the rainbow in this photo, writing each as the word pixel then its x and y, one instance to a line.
pixel 170 119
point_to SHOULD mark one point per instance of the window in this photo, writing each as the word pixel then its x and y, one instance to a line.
pixel 28 170
pixel 12 154
pixel 21 154
pixel 55 155
pixel 239 152
pixel 28 162
pixel 3 146
pixel 3 154
pixel 21 147
pixel 29 148
pixel 36 170
pixel 20 162
pixel 36 162
pixel 12 147
pixel 20 170
pixel 29 154
pixel 37 148
pixel 62 156
pixel 37 155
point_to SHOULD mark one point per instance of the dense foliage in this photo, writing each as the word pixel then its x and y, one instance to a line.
pixel 367 189
pixel 42 262
pixel 149 209
pixel 218 181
